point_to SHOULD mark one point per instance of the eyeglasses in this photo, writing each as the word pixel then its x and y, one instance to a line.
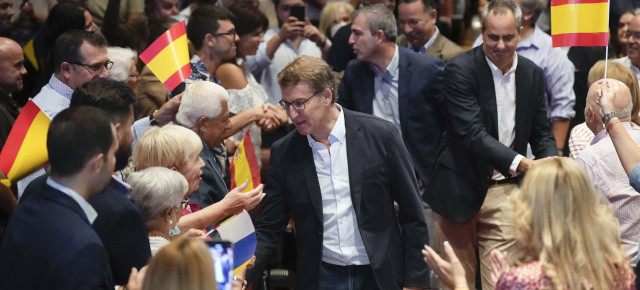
pixel 411 22
pixel 184 203
pixel 232 33
pixel 5 5
pixel 634 34
pixel 94 68
pixel 297 104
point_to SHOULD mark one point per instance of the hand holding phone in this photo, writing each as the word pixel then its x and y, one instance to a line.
pixel 298 11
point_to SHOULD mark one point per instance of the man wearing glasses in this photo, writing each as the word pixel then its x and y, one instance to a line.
pixel 78 57
pixel 632 60
pixel 338 175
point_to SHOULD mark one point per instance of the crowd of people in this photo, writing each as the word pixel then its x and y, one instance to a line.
pixel 401 155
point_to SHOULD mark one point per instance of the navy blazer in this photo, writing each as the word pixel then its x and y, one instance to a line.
pixel 470 150
pixel 50 244
pixel 380 173
pixel 420 103
pixel 212 188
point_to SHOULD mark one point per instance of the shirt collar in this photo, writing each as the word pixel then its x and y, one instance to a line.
pixel 84 205
pixel 60 87
pixel 124 187
pixel 495 69
pixel 338 132
pixel 429 43
pixel 392 68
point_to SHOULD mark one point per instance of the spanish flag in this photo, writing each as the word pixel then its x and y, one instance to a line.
pixel 168 56
pixel 30 53
pixel 244 165
pixel 579 23
pixel 26 146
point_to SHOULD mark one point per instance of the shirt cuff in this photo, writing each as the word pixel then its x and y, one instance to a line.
pixel 514 165
pixel 634 177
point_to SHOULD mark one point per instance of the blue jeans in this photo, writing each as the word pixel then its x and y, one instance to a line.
pixel 334 277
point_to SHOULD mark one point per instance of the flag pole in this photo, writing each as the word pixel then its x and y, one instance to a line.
pixel 606 50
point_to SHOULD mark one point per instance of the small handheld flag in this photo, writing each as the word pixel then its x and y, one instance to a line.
pixel 239 230
pixel 168 56
pixel 26 146
pixel 244 165
pixel 579 23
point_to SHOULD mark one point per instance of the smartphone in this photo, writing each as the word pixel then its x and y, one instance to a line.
pixel 298 11
pixel 222 254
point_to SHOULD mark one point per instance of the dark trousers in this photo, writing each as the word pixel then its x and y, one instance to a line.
pixel 334 277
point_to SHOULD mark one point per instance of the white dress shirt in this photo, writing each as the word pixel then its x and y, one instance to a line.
pixel 385 87
pixel 341 242
pixel 423 49
pixel 84 205
pixel 505 86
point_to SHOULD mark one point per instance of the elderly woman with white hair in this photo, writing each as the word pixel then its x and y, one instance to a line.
pixel 178 148
pixel 124 66
pixel 158 193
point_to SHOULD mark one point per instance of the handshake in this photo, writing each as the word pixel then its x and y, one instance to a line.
pixel 270 117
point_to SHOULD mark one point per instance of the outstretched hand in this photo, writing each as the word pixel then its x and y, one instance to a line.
pixel 498 264
pixel 450 270
pixel 236 200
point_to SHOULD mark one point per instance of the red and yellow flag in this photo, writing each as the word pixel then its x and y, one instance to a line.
pixel 244 165
pixel 26 146
pixel 168 56
pixel 579 23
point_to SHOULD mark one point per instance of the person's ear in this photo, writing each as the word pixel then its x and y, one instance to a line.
pixel 96 163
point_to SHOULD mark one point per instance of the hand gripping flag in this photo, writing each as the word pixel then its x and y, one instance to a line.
pixel 26 146
pixel 239 230
pixel 579 23
pixel 168 56
pixel 244 165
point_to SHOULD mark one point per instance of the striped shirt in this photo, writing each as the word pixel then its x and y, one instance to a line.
pixel 579 139
pixel 601 163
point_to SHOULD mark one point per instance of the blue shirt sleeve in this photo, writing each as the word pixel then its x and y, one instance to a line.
pixel 634 177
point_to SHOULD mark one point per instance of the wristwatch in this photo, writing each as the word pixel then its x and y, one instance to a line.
pixel 243 281
pixel 608 116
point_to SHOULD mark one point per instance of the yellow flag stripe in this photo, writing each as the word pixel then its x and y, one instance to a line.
pixel 579 18
pixel 30 53
pixel 243 172
pixel 170 59
pixel 33 152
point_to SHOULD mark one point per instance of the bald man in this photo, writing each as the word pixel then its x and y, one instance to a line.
pixel 601 163
pixel 11 72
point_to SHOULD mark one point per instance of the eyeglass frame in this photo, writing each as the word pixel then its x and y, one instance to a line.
pixel 232 33
pixel 93 67
pixel 286 105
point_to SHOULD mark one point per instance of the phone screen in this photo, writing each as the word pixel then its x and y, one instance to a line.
pixel 222 254
pixel 298 12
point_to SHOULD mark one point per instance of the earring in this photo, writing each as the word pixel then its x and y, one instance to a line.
pixel 170 223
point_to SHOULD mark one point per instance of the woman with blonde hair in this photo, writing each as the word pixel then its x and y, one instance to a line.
pixel 581 135
pixel 334 15
pixel 566 237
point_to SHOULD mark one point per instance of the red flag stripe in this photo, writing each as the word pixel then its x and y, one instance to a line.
pixel 165 39
pixel 176 78
pixel 565 2
pixel 580 39
pixel 250 152
pixel 17 135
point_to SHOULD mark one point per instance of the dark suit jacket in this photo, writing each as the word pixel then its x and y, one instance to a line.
pixel 380 173
pixel 123 231
pixel 212 188
pixel 420 98
pixel 119 225
pixel 50 244
pixel 470 150
pixel 442 47
pixel 341 51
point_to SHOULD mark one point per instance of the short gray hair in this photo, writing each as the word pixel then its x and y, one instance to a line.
pixel 379 17
pixel 122 58
pixel 201 99
pixel 155 189
pixel 500 7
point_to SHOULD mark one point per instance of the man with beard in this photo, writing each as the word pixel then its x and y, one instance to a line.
pixel 119 224
pixel 632 60
pixel 50 243
pixel 6 12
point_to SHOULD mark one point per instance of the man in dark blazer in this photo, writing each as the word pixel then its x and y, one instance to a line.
pixel 50 243
pixel 495 103
pixel 119 224
pixel 338 175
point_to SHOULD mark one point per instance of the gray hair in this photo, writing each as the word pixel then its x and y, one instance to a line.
pixel 122 58
pixel 155 189
pixel 201 99
pixel 500 7
pixel 379 17
pixel 535 6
